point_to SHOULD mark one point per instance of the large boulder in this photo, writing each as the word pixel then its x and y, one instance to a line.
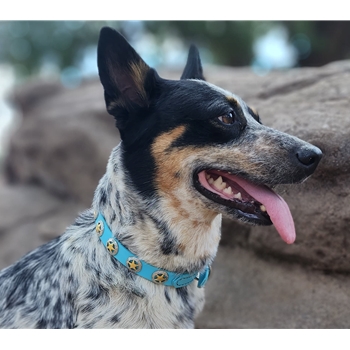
pixel 64 140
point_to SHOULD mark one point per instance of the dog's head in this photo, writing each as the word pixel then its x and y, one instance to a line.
pixel 195 146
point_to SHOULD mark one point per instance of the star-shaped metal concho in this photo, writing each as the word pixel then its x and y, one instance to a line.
pixel 99 228
pixel 134 264
pixel 159 277
pixel 112 246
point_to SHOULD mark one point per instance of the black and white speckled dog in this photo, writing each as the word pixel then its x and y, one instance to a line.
pixel 190 152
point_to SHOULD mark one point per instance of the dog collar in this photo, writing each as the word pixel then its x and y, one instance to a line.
pixel 140 267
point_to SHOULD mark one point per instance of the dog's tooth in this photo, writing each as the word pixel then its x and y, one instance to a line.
pixel 211 180
pixel 238 196
pixel 219 184
pixel 262 207
pixel 218 181
pixel 228 190
pixel 207 176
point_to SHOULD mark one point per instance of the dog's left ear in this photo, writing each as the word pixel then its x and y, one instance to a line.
pixel 193 68
pixel 123 74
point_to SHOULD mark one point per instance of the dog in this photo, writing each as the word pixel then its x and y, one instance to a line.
pixel 190 152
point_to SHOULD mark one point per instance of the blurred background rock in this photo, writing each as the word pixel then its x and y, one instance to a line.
pixel 56 138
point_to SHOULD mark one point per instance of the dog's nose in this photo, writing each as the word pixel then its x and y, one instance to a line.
pixel 309 158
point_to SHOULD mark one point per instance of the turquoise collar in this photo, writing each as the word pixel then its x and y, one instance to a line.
pixel 140 267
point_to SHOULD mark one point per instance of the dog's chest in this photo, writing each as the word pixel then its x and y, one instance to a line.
pixel 155 307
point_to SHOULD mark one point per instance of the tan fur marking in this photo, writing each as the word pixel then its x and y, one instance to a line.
pixel 254 110
pixel 175 202
pixel 168 164
pixel 116 103
pixel 233 101
pixel 139 72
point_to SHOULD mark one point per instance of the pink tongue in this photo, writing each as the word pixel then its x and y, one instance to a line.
pixel 276 207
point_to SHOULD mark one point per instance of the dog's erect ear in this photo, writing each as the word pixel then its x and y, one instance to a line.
pixel 193 68
pixel 122 71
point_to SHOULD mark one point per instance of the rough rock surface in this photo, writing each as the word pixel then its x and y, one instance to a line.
pixel 29 218
pixel 64 141
pixel 246 291
pixel 65 138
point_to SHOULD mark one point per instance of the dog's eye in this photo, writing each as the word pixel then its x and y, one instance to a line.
pixel 227 118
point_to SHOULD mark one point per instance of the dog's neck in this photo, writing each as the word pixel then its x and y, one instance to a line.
pixel 178 239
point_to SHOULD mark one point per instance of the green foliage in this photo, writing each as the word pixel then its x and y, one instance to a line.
pixel 230 42
pixel 30 44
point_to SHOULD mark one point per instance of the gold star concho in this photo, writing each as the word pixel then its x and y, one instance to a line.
pixel 159 277
pixel 99 228
pixel 112 246
pixel 134 264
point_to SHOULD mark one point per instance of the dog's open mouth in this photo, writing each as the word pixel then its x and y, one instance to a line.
pixel 255 203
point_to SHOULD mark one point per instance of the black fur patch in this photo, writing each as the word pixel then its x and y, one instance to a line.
pixel 167 296
pixel 103 197
pixel 168 244
pixel 115 319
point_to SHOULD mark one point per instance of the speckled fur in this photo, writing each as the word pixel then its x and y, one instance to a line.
pixel 73 282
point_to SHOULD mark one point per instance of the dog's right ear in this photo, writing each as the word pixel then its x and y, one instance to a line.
pixel 123 74
pixel 193 68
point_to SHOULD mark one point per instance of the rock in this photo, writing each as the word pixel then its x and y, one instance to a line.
pixel 30 218
pixel 27 96
pixel 245 291
pixel 63 143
